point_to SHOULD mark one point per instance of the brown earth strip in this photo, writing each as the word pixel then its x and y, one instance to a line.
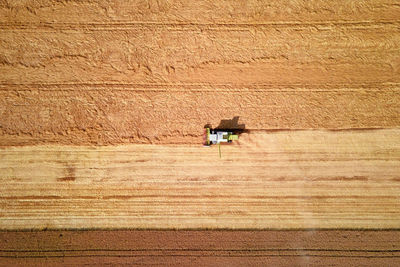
pixel 210 248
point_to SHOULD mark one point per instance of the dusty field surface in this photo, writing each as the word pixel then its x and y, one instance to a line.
pixel 102 107
pixel 201 248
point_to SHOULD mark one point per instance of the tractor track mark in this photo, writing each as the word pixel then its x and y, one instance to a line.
pixel 201 87
pixel 121 26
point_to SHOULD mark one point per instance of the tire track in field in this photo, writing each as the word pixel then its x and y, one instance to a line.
pixel 88 253
pixel 200 87
pixel 116 26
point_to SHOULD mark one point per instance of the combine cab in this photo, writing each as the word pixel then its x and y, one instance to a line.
pixel 213 137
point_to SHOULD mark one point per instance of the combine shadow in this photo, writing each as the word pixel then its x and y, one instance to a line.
pixel 231 125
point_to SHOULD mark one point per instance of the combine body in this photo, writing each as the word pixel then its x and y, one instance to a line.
pixel 212 137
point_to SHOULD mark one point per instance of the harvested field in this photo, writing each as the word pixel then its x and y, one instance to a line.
pixel 281 180
pixel 103 104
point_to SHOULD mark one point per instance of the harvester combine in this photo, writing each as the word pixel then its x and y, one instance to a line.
pixel 216 137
